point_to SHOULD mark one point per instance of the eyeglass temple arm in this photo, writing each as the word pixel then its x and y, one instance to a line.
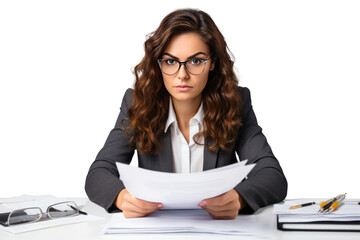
pixel 81 212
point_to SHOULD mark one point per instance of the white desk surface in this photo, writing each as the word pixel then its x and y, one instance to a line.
pixel 93 230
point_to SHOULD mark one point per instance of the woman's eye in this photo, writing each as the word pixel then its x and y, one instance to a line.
pixel 195 61
pixel 170 61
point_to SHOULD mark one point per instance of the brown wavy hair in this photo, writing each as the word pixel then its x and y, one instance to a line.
pixel 220 97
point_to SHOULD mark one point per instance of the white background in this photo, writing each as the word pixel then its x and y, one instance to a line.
pixel 65 65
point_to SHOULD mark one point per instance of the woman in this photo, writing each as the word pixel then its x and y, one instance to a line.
pixel 187 114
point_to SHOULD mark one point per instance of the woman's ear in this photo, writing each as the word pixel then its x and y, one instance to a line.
pixel 212 66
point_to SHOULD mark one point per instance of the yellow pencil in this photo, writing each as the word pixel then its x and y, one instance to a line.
pixel 302 205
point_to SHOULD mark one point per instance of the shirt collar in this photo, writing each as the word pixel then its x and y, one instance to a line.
pixel 171 116
pixel 199 116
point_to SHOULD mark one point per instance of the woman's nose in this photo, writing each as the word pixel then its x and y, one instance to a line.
pixel 183 74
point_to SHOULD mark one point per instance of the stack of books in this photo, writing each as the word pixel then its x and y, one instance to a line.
pixel 345 218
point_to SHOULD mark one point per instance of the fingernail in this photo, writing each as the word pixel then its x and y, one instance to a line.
pixel 160 206
pixel 202 203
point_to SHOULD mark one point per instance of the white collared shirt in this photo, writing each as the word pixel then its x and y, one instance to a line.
pixel 187 158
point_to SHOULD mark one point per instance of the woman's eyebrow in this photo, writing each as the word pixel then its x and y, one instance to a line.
pixel 194 55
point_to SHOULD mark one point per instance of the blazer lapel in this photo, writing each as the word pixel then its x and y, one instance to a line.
pixel 210 157
pixel 165 156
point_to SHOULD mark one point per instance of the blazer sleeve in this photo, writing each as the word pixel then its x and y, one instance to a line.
pixel 102 182
pixel 266 183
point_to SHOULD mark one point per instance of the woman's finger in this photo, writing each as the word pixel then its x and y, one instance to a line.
pixel 145 205
pixel 228 214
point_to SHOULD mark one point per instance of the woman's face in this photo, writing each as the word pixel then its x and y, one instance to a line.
pixel 184 86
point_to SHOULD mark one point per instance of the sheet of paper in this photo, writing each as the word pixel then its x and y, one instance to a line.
pixel 189 221
pixel 25 201
pixel 42 201
pixel 181 190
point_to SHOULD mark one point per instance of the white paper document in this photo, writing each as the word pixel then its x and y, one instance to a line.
pixel 181 190
pixel 42 201
pixel 185 221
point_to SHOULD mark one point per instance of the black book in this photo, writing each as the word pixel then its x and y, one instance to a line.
pixel 329 226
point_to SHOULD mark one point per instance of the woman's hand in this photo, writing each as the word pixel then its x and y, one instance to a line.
pixel 225 206
pixel 133 207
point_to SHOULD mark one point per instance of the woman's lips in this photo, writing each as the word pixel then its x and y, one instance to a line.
pixel 183 88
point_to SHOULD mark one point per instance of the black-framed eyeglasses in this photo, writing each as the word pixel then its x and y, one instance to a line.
pixel 34 214
pixel 195 66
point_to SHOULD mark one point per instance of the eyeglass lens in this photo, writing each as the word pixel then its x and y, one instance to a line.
pixel 194 66
pixel 63 210
pixel 25 216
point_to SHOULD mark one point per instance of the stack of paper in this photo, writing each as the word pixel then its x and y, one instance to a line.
pixel 42 201
pixel 181 190
pixel 186 221
pixel 345 218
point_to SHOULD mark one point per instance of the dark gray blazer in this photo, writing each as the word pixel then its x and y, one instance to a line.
pixel 266 183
